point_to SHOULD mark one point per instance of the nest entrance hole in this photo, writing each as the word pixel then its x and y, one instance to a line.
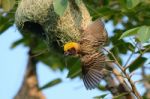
pixel 33 27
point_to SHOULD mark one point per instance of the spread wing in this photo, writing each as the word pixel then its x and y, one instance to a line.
pixel 96 33
pixel 92 69
pixel 93 38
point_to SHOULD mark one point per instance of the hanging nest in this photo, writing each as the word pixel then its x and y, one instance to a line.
pixel 39 17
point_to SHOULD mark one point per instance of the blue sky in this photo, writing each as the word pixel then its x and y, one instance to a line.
pixel 13 64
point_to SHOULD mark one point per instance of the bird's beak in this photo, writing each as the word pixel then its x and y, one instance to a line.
pixel 70 52
pixel 66 53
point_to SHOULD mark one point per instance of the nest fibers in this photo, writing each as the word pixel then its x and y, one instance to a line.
pixel 41 13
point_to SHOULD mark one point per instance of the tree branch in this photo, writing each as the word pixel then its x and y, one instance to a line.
pixel 29 88
pixel 134 90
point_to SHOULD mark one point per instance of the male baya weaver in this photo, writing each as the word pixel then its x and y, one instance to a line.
pixel 89 49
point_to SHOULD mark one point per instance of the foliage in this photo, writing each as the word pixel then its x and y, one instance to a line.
pixel 51 83
pixel 100 97
pixel 139 61
pixel 141 33
pixel 7 5
pixel 60 6
pixel 132 15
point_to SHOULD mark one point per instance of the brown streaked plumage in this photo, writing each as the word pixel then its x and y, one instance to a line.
pixel 92 58
pixel 89 49
pixel 92 69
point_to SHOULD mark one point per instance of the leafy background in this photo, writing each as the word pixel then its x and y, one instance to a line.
pixel 130 22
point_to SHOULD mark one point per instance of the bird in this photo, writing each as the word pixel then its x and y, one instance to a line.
pixel 89 50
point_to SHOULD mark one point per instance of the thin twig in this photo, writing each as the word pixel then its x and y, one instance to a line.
pixel 134 90
pixel 130 56
pixel 109 61
pixel 119 74
pixel 125 68
pixel 122 94
pixel 144 79
pixel 115 60
pixel 129 59
pixel 145 50
pixel 133 86
pixel 138 57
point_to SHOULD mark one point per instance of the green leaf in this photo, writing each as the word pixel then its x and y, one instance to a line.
pixel 144 34
pixel 101 87
pixel 138 62
pixel 60 6
pixel 5 23
pixel 130 32
pixel 4 27
pixel 74 66
pixel 100 97
pixel 120 96
pixel 78 2
pixel 52 59
pixel 73 72
pixel 123 47
pixel 132 3
pixel 7 5
pixel 106 2
pixel 16 43
pixel 51 83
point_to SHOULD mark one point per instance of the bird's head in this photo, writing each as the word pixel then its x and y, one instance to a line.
pixel 71 48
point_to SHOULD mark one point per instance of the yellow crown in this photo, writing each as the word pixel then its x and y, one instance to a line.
pixel 71 45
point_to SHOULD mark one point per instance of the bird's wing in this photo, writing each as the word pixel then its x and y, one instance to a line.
pixel 92 69
pixel 93 37
pixel 96 33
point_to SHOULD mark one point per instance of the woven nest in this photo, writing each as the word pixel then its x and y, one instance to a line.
pixel 39 14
